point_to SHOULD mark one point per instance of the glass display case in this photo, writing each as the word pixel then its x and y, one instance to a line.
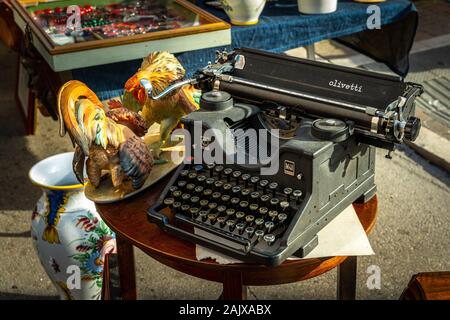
pixel 78 33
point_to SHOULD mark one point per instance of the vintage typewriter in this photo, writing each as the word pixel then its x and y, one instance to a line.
pixel 322 123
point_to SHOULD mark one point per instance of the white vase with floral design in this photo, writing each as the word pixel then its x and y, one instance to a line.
pixel 70 238
pixel 243 12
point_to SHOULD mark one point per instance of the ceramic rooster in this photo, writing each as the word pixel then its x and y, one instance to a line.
pixel 160 69
pixel 111 140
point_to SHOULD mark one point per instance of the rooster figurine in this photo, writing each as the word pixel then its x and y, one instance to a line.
pixel 159 70
pixel 111 140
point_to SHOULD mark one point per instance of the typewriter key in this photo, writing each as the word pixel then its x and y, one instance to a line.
pixel 230 212
pixel 221 209
pixel 212 218
pixel 218 184
pixel 203 203
pixel 254 195
pixel 190 186
pixel 184 208
pixel 297 194
pixel 173 188
pixel 195 199
pixel 192 175
pixel 227 187
pixel 177 194
pixel 240 227
pixel 198 190
pixel 230 224
pixel 212 206
pixel 184 173
pixel 245 192
pixel 181 183
pixel 269 225
pixel 240 215
pixel 168 202
pixel 254 180
pixel 287 192
pixel 273 214
pixel 201 178
pixel 259 223
pixel 218 170
pixel 274 202
pixel 221 221
pixel 211 168
pixel 263 184
pixel 210 182
pixel 282 217
pixel 263 211
pixel 235 201
pixel 249 231
pixel 236 175
pixel 216 195
pixel 198 167
pixel 207 192
pixel 194 212
pixel 227 172
pixel 245 178
pixel 243 205
pixel 176 205
pixel 269 239
pixel 203 215
pixel 185 196
pixel 249 219
pixel 265 198
pixel 259 234
pixel 225 198
pixel 253 208
pixel 236 190
pixel 284 205
pixel 273 187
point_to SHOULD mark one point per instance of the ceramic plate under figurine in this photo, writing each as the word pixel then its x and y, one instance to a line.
pixel 107 193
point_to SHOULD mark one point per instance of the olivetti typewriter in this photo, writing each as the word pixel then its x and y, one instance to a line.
pixel 321 122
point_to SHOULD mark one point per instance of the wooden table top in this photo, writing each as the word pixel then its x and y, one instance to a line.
pixel 128 219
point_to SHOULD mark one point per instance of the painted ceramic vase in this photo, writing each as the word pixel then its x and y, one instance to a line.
pixel 317 6
pixel 69 236
pixel 243 12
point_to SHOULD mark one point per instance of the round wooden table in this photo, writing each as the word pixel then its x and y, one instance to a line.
pixel 128 219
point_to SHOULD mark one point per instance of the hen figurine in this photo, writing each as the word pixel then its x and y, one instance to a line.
pixel 160 69
pixel 110 140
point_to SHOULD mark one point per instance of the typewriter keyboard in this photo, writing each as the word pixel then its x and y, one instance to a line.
pixel 236 208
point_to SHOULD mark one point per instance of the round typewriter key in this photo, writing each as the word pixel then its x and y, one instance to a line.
pixel 236 175
pixel 240 227
pixel 255 180
pixel 269 225
pixel 218 184
pixel 168 202
pixel 245 192
pixel 263 184
pixel 284 205
pixel 212 205
pixel 203 203
pixel 194 211
pixel 263 211
pixel 231 224
pixel 259 234
pixel 198 167
pixel 274 202
pixel 265 198
pixel 218 170
pixel 230 212
pixel 269 239
pixel 190 186
pixel 201 178
pixel 297 194
pixel 184 173
pixel 273 214
pixel 221 221
pixel 227 187
pixel 211 168
pixel 173 188
pixel 273 187
pixel 176 205
pixel 195 199
pixel 249 231
pixel 254 195
pixel 225 198
pixel 212 218
pixel 221 209
pixel 185 208
pixel 259 222
pixel 186 196
pixel 249 219
pixel 227 172
pixel 207 192
pixel 203 215
pixel 192 175
pixel 282 217
pixel 210 182
pixel 216 195
pixel 181 183
pixel 236 190
pixel 198 189
pixel 177 194
pixel 243 205
pixel 235 201
pixel 245 178
pixel 240 215
pixel 287 192
pixel 253 208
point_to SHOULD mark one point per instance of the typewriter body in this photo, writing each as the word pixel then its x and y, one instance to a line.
pixel 315 128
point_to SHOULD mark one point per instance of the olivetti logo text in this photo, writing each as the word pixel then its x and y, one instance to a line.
pixel 346 86
pixel 219 147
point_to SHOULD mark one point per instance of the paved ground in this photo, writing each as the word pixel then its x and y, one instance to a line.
pixel 411 235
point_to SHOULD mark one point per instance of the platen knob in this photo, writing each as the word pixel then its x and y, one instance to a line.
pixel 412 128
pixel 215 101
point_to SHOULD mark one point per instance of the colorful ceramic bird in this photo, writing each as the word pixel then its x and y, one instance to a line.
pixel 111 140
pixel 161 69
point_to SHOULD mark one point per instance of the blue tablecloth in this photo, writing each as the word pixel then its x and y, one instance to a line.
pixel 284 28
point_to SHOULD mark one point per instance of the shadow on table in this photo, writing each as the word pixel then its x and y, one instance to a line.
pixel 19 296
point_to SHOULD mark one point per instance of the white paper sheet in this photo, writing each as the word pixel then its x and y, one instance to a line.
pixel 344 236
